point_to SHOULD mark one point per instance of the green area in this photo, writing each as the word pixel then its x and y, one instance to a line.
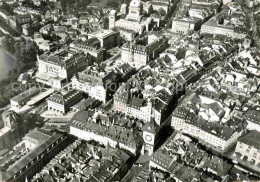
pixel 8 28
pixel 7 8
pixel 69 6
pixel 113 4
pixel 25 53
pixel 1 34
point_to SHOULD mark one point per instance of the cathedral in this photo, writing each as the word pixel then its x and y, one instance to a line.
pixel 134 22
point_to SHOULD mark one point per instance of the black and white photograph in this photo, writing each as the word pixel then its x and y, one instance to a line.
pixel 129 90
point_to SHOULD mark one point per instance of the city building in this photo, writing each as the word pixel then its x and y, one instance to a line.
pixel 134 20
pixel 184 26
pixel 107 38
pixel 21 99
pixel 248 148
pixel 159 5
pixel 230 22
pixel 57 68
pixel 252 117
pixel 97 83
pixel 148 93
pixel 216 135
pixel 192 14
pixel 86 161
pixel 62 102
pixel 107 128
pixel 184 160
pixel 85 104
pixel 23 19
pixel 11 133
pixel 92 48
pixel 143 50
pixel 150 136
pixel 42 146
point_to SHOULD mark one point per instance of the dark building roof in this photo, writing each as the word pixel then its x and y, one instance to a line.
pixel 151 127
pixel 253 116
pixel 7 174
pixel 251 139
pixel 26 94
pixel 64 99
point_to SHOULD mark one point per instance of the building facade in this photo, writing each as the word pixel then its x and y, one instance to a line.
pixel 140 53
pixel 96 83
pixel 92 48
pixel 248 148
pixel 183 26
pixel 38 156
pixel 21 99
pixel 57 68
pixel 134 20
pixel 229 22
pixel 217 136
pixel 107 38
pixel 63 102
pixel 88 126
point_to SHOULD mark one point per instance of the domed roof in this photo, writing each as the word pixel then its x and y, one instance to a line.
pixel 113 12
pixel 123 5
pixel 135 3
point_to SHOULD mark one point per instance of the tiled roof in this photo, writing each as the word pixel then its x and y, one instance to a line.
pixel 251 139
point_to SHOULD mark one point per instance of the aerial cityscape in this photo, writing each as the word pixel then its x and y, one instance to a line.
pixel 129 90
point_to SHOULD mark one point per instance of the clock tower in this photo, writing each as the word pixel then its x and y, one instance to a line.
pixel 112 18
pixel 150 134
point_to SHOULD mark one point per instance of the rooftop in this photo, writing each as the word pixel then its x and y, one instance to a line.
pixel 38 136
pixel 251 139
pixel 101 33
pixel 26 94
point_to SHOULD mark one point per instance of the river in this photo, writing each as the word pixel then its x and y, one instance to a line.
pixel 7 63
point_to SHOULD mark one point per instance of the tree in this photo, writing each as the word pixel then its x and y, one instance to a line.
pixel 64 4
pixel 7 8
pixel 34 27
pixel 106 23
pixel 8 43
pixel 161 12
pixel 113 4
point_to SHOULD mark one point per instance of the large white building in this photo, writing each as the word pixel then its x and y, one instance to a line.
pixel 230 22
pixel 185 25
pixel 248 148
pixel 138 54
pixel 107 38
pixel 21 99
pixel 192 14
pixel 134 21
pixel 62 102
pixel 96 83
pixel 218 136
pixel 56 69
pixel 99 127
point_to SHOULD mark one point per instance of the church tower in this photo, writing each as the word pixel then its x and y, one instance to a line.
pixel 112 19
pixel 150 136
pixel 123 9
pixel 135 11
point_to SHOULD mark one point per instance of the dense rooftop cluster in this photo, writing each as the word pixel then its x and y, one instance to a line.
pixel 157 90
pixel 84 161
